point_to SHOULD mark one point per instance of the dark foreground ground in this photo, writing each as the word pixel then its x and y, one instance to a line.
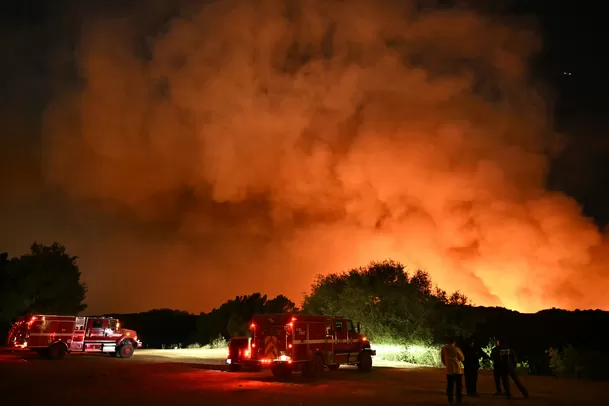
pixel 153 380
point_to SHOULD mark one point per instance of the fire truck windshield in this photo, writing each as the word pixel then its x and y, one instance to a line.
pixel 350 326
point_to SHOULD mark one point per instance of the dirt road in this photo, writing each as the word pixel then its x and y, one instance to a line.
pixel 170 378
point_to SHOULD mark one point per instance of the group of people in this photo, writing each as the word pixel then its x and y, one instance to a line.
pixel 466 363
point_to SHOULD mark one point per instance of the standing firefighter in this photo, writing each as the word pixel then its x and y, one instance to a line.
pixel 451 358
pixel 471 366
pixel 504 368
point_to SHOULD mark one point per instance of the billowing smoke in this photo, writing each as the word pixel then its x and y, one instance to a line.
pixel 254 144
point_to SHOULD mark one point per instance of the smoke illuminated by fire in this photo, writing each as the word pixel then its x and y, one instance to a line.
pixel 253 145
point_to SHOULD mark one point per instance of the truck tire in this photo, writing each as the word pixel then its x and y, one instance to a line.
pixel 125 350
pixel 314 369
pixel 56 351
pixel 281 371
pixel 365 361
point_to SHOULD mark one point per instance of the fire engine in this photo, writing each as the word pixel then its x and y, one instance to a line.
pixel 308 344
pixel 53 336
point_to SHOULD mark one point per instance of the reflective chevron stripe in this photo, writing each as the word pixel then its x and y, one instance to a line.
pixel 270 347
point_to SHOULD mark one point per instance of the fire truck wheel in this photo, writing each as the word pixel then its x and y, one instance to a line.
pixel 334 367
pixel 365 361
pixel 125 350
pixel 56 351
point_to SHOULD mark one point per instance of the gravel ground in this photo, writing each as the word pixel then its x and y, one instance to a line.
pixel 197 377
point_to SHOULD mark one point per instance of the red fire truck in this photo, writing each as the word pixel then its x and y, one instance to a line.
pixel 288 343
pixel 54 336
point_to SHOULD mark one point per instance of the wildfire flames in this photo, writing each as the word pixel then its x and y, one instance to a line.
pixel 247 146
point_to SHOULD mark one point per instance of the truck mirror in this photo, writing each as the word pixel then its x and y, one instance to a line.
pixel 359 327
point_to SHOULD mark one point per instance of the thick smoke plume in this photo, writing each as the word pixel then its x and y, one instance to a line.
pixel 254 144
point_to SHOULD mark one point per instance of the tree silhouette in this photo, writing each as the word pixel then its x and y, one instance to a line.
pixel 392 304
pixel 45 280
pixel 232 317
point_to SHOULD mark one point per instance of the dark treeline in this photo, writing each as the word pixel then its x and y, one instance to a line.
pixel 528 333
pixel 531 335
pixel 395 307
pixel 160 328
pixel 166 328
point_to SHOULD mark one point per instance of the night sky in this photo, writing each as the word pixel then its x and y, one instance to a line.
pixel 187 154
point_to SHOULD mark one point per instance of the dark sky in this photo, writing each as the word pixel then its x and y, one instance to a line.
pixel 108 219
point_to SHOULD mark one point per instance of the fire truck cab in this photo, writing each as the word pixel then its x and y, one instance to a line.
pixel 288 343
pixel 53 336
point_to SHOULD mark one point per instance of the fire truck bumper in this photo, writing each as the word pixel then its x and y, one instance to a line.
pixel 244 362
pixel 139 344
pixel 372 352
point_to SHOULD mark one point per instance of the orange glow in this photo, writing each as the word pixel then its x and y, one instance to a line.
pixel 248 168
